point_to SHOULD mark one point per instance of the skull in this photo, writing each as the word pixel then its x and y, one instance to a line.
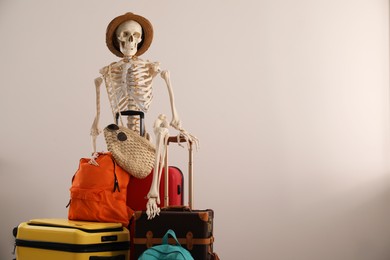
pixel 129 34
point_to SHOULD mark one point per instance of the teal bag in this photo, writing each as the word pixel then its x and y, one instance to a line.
pixel 166 251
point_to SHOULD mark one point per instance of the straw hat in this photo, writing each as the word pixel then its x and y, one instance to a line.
pixel 147 33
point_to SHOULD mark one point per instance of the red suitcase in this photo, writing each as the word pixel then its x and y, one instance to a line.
pixel 139 188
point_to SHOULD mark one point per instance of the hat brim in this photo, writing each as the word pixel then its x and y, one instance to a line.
pixel 147 33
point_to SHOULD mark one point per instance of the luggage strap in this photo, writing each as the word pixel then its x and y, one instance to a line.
pixel 189 241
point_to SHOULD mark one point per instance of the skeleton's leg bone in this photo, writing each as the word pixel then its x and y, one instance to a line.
pixel 154 189
pixel 161 132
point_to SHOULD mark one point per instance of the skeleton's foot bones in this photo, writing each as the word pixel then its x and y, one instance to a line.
pixel 152 209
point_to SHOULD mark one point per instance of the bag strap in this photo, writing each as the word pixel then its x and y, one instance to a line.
pixel 165 238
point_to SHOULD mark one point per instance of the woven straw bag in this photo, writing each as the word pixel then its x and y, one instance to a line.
pixel 134 153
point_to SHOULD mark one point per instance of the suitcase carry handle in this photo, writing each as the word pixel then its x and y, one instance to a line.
pixel 177 208
pixel 133 113
pixel 176 139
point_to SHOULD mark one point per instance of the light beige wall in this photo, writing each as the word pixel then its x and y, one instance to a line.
pixel 290 100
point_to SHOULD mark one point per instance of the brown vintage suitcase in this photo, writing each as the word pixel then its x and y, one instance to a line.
pixel 193 228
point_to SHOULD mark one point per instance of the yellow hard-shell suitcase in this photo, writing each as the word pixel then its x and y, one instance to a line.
pixel 62 239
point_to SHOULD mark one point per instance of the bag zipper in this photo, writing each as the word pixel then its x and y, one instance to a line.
pixel 116 183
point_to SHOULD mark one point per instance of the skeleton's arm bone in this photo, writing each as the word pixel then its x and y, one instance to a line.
pixel 175 118
pixel 176 123
pixel 95 131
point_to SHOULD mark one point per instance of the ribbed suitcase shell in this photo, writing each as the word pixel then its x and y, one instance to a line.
pixel 193 228
pixel 62 239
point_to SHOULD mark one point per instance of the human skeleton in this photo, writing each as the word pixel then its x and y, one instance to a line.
pixel 129 87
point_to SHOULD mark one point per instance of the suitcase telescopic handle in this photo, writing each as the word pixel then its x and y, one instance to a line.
pixel 133 113
pixel 175 139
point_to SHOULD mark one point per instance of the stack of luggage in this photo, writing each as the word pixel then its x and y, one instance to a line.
pixel 107 217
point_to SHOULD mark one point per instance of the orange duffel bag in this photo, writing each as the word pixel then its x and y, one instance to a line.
pixel 98 192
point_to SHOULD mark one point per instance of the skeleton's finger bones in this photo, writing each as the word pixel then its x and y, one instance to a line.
pixel 188 137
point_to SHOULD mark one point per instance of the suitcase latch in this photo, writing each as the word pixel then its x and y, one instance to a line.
pixel 109 238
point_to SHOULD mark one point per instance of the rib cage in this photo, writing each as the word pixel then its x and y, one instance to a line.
pixel 139 85
pixel 129 87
